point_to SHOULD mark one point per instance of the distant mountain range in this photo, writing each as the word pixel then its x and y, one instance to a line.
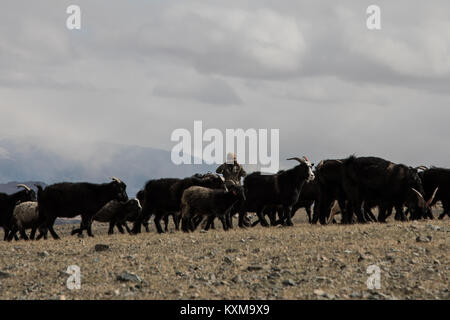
pixel 23 160
pixel 11 187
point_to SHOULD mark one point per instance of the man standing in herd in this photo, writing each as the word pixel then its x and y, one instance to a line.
pixel 231 170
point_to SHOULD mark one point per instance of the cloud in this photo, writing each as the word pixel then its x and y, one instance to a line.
pixel 4 154
pixel 210 91
pixel 227 41
pixel 138 70
pixel 422 52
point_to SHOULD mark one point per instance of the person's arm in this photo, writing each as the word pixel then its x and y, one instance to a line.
pixel 243 173
pixel 220 169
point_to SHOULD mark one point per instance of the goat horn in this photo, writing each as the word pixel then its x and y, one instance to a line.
pixel 422 168
pixel 432 197
pixel 116 179
pixel 138 202
pixel 296 158
pixel 418 193
pixel 23 186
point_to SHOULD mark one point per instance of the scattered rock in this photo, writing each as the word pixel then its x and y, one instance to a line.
pixel 362 257
pixel 322 279
pixel 130 257
pixel 276 269
pixel 177 291
pixel 423 239
pixel 378 296
pixel 231 250
pixel 390 257
pixel 254 268
pixel 274 275
pixel 212 277
pixel 129 294
pixel 4 275
pixel 43 254
pixel 355 295
pixel 289 282
pixel 180 274
pixel 319 293
pixel 228 260
pixel 127 276
pixel 101 247
pixel 237 279
pixel 433 227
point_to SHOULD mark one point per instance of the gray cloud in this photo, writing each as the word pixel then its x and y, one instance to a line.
pixel 209 91
pixel 138 70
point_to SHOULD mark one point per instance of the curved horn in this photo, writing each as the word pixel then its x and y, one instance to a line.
pixel 432 197
pixel 421 168
pixel 116 179
pixel 320 164
pixel 418 193
pixel 138 202
pixel 24 186
pixel 296 158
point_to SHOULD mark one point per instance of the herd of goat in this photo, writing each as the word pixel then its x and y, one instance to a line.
pixel 355 185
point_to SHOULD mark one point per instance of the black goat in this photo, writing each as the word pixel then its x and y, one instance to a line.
pixel 386 183
pixel 141 197
pixel 437 178
pixel 308 196
pixel 276 189
pixel 118 213
pixel 71 199
pixel 329 179
pixel 8 202
pixel 201 202
pixel 163 197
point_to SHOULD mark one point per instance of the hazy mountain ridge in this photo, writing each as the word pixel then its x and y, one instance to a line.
pixel 11 186
pixel 23 160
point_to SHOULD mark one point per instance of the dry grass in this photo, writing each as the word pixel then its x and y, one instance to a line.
pixel 285 263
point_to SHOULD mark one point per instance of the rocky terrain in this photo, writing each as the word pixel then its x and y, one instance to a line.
pixel 300 262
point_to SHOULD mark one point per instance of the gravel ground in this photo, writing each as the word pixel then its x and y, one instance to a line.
pixel 300 262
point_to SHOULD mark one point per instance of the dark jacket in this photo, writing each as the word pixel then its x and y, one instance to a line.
pixel 232 172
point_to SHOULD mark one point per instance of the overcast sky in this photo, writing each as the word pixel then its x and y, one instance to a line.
pixel 139 69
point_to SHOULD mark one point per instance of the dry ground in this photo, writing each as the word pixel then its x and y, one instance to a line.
pixel 300 262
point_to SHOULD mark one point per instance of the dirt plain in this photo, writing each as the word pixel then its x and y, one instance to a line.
pixel 300 262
